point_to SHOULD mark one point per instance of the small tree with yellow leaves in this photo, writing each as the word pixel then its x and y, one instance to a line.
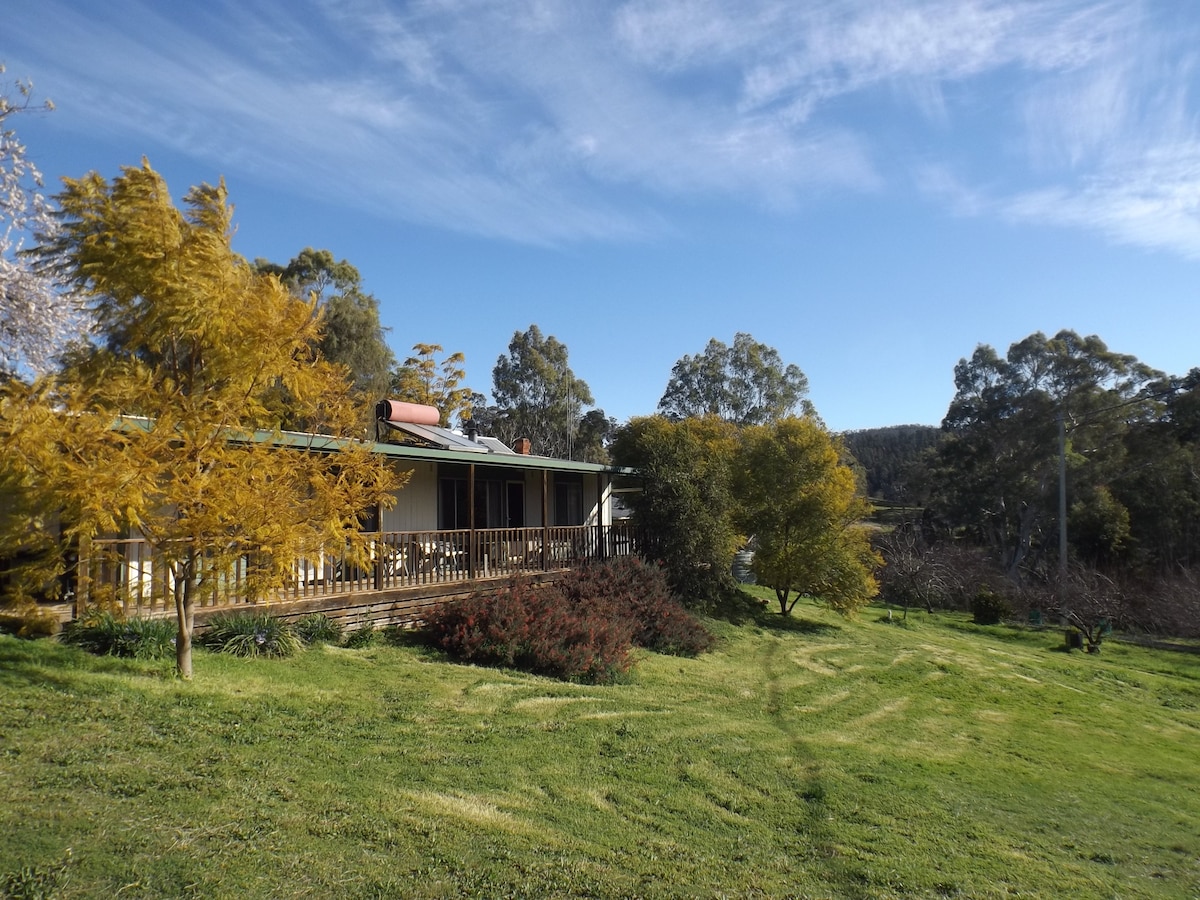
pixel 422 380
pixel 803 506
pixel 167 429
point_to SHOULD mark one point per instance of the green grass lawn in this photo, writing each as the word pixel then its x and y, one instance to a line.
pixel 810 758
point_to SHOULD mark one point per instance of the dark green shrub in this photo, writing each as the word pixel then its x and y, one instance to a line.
pixel 94 631
pixel 149 638
pixel 684 506
pixel 318 628
pixel 989 608
pixel 251 634
pixel 107 634
pixel 363 636
pixel 536 629
pixel 631 589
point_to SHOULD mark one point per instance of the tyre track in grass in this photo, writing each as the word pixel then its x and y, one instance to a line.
pixel 813 841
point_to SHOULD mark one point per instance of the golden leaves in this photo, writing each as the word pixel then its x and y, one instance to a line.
pixel 174 429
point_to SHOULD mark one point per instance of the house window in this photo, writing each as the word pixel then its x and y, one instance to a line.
pixel 515 510
pixel 568 501
pixel 498 503
pixel 489 504
pixel 453 512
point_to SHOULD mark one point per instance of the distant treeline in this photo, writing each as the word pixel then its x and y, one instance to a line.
pixel 1123 439
pixel 887 456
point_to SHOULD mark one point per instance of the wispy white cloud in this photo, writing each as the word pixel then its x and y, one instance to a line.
pixel 1152 203
pixel 1109 144
pixel 804 54
pixel 553 120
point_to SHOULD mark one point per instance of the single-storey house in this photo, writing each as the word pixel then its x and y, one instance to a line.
pixel 473 511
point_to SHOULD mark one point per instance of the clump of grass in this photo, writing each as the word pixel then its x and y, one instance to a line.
pixel 106 634
pixel 888 619
pixel 318 628
pixel 36 882
pixel 251 634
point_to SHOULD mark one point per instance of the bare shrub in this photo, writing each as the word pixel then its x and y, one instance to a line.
pixel 1169 604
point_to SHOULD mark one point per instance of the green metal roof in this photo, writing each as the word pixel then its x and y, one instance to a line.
pixel 329 444
pixel 508 460
pixel 431 454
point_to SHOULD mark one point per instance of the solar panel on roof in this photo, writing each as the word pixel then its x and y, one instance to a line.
pixel 495 445
pixel 442 438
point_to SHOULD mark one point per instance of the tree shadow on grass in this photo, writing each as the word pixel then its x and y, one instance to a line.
pixel 417 639
pixel 808 779
pixel 412 636
pixel 42 661
pixel 737 607
pixel 794 624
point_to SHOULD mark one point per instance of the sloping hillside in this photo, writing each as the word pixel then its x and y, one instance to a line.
pixel 812 757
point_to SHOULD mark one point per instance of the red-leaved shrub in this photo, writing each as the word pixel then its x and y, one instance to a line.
pixel 533 628
pixel 631 589
pixel 581 628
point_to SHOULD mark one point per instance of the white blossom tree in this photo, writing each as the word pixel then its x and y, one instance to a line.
pixel 36 319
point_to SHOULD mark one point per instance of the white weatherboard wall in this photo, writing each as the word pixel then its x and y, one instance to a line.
pixel 416 506
pixel 416 502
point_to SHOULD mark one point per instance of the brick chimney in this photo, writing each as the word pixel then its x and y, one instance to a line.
pixel 522 446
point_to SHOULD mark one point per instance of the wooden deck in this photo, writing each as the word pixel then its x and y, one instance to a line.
pixel 406 574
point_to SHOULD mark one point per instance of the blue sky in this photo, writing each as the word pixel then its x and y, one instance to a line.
pixel 872 188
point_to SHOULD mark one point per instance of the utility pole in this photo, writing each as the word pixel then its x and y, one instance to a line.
pixel 1062 501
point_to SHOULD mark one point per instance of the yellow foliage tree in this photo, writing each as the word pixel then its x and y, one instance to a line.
pixel 804 508
pixel 168 429
pixel 422 380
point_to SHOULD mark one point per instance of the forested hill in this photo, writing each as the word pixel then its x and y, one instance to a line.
pixel 885 454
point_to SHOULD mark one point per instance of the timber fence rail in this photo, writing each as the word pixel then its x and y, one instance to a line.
pixel 133 575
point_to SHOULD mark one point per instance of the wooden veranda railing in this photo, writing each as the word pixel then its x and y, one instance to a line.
pixel 133 575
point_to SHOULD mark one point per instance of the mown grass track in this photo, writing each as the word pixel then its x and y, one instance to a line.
pixel 809 758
